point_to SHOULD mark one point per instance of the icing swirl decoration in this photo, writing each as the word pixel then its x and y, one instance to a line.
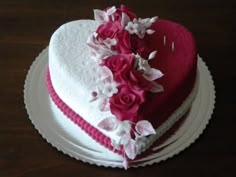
pixel 118 45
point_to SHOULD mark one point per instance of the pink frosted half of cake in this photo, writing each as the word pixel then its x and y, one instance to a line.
pixel 124 80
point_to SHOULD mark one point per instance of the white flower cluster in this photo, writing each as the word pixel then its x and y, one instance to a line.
pixel 106 87
pixel 138 26
pixel 123 129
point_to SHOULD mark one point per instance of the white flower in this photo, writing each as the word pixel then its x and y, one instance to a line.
pixel 144 22
pixel 148 72
pixel 132 28
pixel 111 10
pixel 103 16
pixel 101 48
pixel 94 41
pixel 142 64
pixel 109 89
pixel 124 128
pixel 115 144
pixel 103 53
pixel 100 16
pixel 109 42
pixel 104 104
pixel 140 26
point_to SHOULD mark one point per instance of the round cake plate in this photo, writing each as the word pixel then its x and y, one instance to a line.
pixel 67 137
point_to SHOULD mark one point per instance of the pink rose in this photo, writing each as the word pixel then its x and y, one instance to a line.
pixel 108 30
pixel 128 75
pixel 127 43
pixel 125 104
pixel 137 81
pixel 123 42
pixel 122 68
pixel 138 46
pixel 119 65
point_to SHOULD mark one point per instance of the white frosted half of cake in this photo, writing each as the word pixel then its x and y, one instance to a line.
pixel 74 73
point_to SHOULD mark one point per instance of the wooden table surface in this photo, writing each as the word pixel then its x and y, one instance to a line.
pixel 25 29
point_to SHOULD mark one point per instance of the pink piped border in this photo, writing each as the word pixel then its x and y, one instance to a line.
pixel 77 119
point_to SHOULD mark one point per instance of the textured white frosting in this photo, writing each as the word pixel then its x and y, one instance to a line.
pixel 74 75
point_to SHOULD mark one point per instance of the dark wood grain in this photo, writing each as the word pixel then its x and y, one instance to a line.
pixel 25 29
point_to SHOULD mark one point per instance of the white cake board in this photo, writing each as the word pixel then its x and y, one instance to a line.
pixel 67 137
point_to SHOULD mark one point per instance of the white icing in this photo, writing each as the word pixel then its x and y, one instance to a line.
pixel 74 73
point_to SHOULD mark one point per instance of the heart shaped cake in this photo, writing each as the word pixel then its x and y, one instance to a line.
pixel 124 80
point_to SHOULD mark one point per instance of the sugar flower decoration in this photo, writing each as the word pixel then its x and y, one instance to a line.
pixel 103 16
pixel 118 45
pixel 102 48
pixel 149 73
pixel 140 26
pixel 123 129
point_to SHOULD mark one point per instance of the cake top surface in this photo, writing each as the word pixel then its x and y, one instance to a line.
pixel 69 44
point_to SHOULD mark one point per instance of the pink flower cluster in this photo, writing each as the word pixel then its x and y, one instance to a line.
pixel 119 45
pixel 113 29
pixel 131 88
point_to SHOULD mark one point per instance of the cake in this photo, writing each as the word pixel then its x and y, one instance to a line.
pixel 123 80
